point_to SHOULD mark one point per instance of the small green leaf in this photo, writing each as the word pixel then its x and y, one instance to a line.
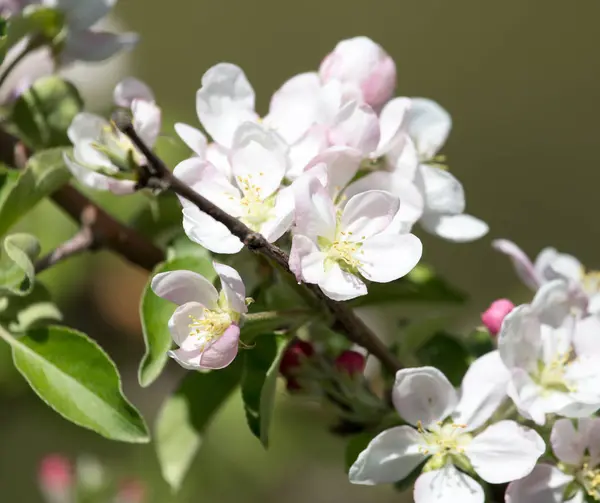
pixel 420 285
pixel 21 191
pixel 160 219
pixel 185 415
pixel 155 313
pixel 446 353
pixel 259 382
pixel 45 111
pixel 256 324
pixel 23 313
pixel 78 380
pixel 17 272
pixel 44 21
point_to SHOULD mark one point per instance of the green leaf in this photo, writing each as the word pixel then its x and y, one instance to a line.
pixel 185 415
pixel 20 191
pixel 446 353
pixel 155 313
pixel 23 313
pixel 17 271
pixel 256 324
pixel 78 380
pixel 259 382
pixel 160 219
pixel 45 111
pixel 420 285
pixel 43 21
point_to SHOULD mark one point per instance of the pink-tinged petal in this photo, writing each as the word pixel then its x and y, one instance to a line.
pixel 523 266
pixel 183 286
pixel 179 323
pixel 341 285
pixel 591 429
pixel 223 351
pixel 447 485
pixel 315 214
pixel 568 444
pixel 443 193
pixel 390 456
pixel 193 138
pixel 283 218
pixel 457 228
pixel 306 261
pixel 391 122
pixel 95 46
pixel 520 339
pixel 483 389
pixel 209 233
pixel 189 360
pixel 314 141
pixel 545 484
pixel 403 159
pixel 233 286
pixel 130 89
pixel 429 126
pixel 259 159
pixel 368 214
pixel 387 257
pixel 505 451
pixel 225 100
pixel 219 158
pixel 339 165
pixel 356 125
pixel 146 120
pixel 423 395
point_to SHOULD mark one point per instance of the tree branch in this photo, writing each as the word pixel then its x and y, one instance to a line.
pixel 157 175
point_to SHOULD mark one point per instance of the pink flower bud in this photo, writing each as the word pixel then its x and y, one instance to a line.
pixel 131 491
pixel 495 314
pixel 55 475
pixel 294 356
pixel 361 63
pixel 351 362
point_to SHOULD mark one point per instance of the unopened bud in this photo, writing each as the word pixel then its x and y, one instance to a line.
pixel 350 362
pixel 494 315
pixel 294 356
pixel 131 491
pixel 55 477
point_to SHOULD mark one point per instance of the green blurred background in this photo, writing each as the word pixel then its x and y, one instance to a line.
pixel 520 78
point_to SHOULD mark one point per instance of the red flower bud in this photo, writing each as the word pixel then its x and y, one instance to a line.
pixel 495 314
pixel 294 355
pixel 351 362
pixel 55 474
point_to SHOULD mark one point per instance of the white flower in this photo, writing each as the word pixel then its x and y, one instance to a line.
pixel 206 325
pixel 578 473
pixel 332 247
pixel 550 265
pixel 259 161
pixel 552 370
pixel 425 399
pixel 103 157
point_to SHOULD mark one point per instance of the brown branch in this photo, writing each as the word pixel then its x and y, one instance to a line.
pixel 107 231
pixel 158 175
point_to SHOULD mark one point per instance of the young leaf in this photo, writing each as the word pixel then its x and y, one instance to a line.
pixel 185 415
pixel 16 264
pixel 44 112
pixel 21 191
pixel 259 380
pixel 23 313
pixel 155 313
pixel 44 21
pixel 78 380
pixel 446 353
pixel 420 285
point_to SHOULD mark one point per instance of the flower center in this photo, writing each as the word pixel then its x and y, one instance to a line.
pixel 590 282
pixel 551 376
pixel 590 479
pixel 210 327
pixel 118 148
pixel 438 161
pixel 343 250
pixel 256 209
pixel 444 439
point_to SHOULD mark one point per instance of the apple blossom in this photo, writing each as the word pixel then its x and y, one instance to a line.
pixel 332 247
pixel 103 157
pixel 494 315
pixel 425 399
pixel 578 473
pixel 259 160
pixel 361 63
pixel 206 325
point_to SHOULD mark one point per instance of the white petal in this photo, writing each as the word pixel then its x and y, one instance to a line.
pixel 357 126
pixel 283 218
pixel 219 158
pixel 429 126
pixel 483 389
pixel 146 120
pixel 391 456
pixel 505 451
pixel 586 339
pixel 447 485
pixel 591 429
pixel 443 193
pixel 225 100
pixel 315 213
pixel 543 263
pixel 568 444
pixel 83 14
pixel 209 233
pixel 179 323
pixel 86 126
pixel 556 342
pixel 306 261
pixel 258 159
pixel 390 122
pixel 520 338
pixel 193 138
pixel 369 213
pixel 341 285
pixel 423 395
pixel 96 46
pixel 458 228
pixel 233 286
pixel 403 159
pixel 387 257
pixel 553 302
pixel 130 89
pixel 183 286
pixel 583 375
pixel 545 484
pixel 567 267
pixel 87 176
pixel 305 149
pixel 523 266
pixel 339 164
